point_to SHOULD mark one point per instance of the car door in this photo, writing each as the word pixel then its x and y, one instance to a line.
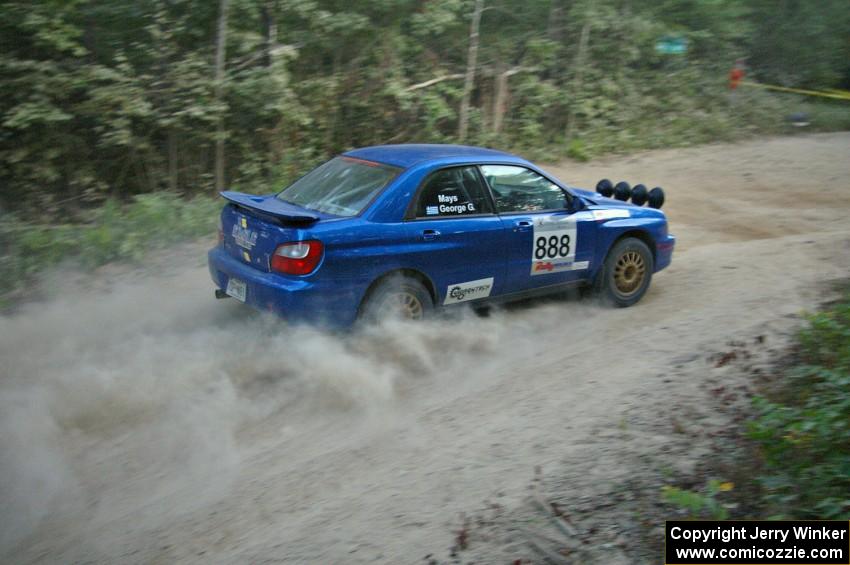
pixel 549 242
pixel 458 239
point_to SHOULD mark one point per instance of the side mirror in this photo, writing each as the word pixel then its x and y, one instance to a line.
pixel 575 204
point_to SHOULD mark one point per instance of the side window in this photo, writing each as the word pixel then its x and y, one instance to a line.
pixel 517 189
pixel 458 191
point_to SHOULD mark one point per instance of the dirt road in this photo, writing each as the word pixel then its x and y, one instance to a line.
pixel 145 422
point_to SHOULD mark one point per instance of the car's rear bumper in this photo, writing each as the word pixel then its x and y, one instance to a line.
pixel 293 298
pixel 664 252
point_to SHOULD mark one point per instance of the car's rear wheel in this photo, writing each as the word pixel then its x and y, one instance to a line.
pixel 401 298
pixel 627 272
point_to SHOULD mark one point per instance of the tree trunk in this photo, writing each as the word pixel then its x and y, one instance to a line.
pixel 503 95
pixel 577 83
pixel 220 52
pixel 500 102
pixel 485 102
pixel 555 29
pixel 269 31
pixel 433 81
pixel 555 32
pixel 471 62
pixel 269 24
pixel 172 160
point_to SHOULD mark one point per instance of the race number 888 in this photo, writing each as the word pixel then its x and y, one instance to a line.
pixel 551 247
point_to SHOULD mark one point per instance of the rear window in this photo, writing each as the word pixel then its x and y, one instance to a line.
pixel 343 186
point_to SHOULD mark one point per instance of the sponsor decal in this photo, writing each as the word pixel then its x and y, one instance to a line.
pixel 471 290
pixel 243 236
pixel 546 267
pixel 553 244
pixel 246 256
pixel 602 215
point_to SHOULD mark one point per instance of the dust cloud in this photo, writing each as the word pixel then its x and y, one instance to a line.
pixel 143 398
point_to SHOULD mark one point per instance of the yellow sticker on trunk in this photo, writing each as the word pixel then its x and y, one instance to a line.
pixel 244 222
pixel 246 256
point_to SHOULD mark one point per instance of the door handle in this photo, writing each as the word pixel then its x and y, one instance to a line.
pixel 523 225
pixel 429 235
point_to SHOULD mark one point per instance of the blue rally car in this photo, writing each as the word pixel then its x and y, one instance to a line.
pixel 404 229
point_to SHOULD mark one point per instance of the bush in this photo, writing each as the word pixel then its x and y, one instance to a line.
pixel 113 232
pixel 804 432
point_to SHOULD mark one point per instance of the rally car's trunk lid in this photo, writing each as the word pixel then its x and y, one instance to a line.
pixel 273 208
pixel 254 226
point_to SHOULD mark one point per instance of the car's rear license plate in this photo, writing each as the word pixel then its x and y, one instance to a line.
pixel 236 289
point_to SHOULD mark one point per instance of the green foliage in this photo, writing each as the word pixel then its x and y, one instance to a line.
pixel 107 100
pixel 114 232
pixel 804 433
pixel 795 42
pixel 827 116
pixel 699 505
pixel 576 150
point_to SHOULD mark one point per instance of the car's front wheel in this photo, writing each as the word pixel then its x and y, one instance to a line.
pixel 401 297
pixel 627 272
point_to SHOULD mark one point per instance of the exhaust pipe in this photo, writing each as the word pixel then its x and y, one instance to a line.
pixel 221 294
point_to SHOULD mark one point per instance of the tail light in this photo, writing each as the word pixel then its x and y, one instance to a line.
pixel 297 258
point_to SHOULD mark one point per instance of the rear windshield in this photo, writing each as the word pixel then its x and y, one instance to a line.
pixel 343 186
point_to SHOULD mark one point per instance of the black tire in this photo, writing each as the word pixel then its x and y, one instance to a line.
pixel 399 297
pixel 624 277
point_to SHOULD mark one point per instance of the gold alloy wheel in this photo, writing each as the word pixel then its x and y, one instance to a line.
pixel 404 305
pixel 629 273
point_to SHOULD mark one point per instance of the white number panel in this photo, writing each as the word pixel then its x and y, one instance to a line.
pixel 553 246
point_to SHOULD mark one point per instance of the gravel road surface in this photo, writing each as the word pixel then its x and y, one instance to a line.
pixel 142 421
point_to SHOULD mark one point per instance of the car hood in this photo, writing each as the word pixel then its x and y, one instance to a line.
pixel 597 200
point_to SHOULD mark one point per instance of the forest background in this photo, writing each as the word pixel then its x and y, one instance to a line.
pixel 117 118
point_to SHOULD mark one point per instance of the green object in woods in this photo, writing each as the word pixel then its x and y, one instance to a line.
pixel 672 45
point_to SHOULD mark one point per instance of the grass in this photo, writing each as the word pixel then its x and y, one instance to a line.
pixel 112 232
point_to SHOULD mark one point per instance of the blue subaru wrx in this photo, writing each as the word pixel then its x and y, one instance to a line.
pixel 401 230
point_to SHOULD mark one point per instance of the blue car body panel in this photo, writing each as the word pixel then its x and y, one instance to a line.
pixel 493 254
pixel 447 258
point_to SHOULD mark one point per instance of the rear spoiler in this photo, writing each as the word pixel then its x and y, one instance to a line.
pixel 272 207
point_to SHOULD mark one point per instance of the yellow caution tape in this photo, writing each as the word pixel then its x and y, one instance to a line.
pixel 837 91
pixel 832 93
